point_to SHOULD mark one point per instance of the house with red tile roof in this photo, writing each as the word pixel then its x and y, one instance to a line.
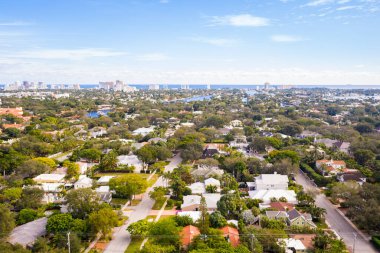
pixel 187 235
pixel 231 234
pixel 330 167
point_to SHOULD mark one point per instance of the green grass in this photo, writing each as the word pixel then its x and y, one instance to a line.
pixel 152 180
pixel 134 246
pixel 135 202
pixel 321 224
pixel 158 204
pixel 119 201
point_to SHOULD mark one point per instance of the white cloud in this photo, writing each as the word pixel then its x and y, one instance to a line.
pixel 240 20
pixel 349 7
pixel 16 23
pixel 214 41
pixel 344 1
pixel 319 2
pixel 286 38
pixel 66 54
pixel 152 57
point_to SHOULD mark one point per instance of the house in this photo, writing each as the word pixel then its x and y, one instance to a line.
pixel 210 151
pixel 192 202
pixel 306 239
pixel 330 166
pixel 342 146
pixel 104 193
pixel 281 206
pixel 187 235
pixel 130 160
pixel 277 215
pixel 156 140
pixel 143 131
pixel 187 124
pixel 104 180
pixel 231 234
pixel 356 176
pixel 28 233
pixel 197 188
pixel 292 245
pixel 207 171
pixel 52 192
pixel 239 142
pixel 298 219
pixel 83 166
pixel 49 178
pixel 213 182
pixel 268 195
pixel 83 182
pixel 271 182
pixel 98 132
pixel 236 123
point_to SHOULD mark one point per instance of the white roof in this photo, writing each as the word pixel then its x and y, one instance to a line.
pixel 212 199
pixel 49 177
pixel 105 179
pixel 26 234
pixel 103 189
pixel 197 188
pixel 129 160
pixel 191 200
pixel 271 179
pixel 51 187
pixel 144 130
pixel 83 180
pixel 212 181
pixel 194 215
pixel 251 184
pixel 266 195
pixel 293 243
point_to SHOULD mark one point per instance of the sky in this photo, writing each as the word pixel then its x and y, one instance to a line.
pixel 191 41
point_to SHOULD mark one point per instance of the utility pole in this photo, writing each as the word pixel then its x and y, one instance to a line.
pixel 355 235
pixel 68 241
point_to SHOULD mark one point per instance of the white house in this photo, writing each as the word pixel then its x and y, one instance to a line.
pixel 271 181
pixel 197 188
pixel 194 215
pixel 49 178
pixel 267 195
pixel 83 182
pixel 104 180
pixel 213 182
pixel 292 245
pixel 130 160
pixel 143 131
pixel 192 202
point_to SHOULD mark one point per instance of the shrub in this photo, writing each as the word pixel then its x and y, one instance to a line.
pixel 319 180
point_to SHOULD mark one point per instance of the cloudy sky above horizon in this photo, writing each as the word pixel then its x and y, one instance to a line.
pixel 191 41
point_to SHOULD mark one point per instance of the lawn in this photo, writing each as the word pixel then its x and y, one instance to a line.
pixel 119 201
pixel 152 180
pixel 321 224
pixel 135 202
pixel 134 246
pixel 158 204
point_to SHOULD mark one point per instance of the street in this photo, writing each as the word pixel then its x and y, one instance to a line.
pixel 121 237
pixel 337 221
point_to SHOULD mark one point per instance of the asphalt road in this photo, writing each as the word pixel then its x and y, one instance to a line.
pixel 121 237
pixel 345 229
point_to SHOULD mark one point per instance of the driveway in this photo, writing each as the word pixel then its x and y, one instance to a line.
pixel 26 234
pixel 121 237
pixel 338 222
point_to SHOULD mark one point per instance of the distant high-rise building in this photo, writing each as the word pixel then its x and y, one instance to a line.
pixel 154 86
pixel 208 86
pixel 266 86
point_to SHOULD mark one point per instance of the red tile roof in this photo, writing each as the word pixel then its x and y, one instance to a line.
pixel 232 234
pixel 281 206
pixel 188 233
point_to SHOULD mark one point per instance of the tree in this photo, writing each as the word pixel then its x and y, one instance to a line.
pixel 139 228
pixel 364 156
pixel 248 217
pixel 204 222
pixel 13 194
pixel 72 169
pixel 45 160
pixel 211 188
pixel 32 168
pixel 40 245
pixel 230 205
pixel 191 151
pixel 82 202
pixel 147 154
pixel 158 193
pixel 165 232
pixel 291 129
pixel 150 247
pixel 26 215
pixel 7 221
pixel 214 121
pixel 332 111
pixel 364 128
pixel 277 155
pixel 217 220
pixel 30 198
pixel 103 221
pixel 59 223
pixel 108 162
pixel 12 132
pixel 183 220
pixel 127 186
pixel 284 167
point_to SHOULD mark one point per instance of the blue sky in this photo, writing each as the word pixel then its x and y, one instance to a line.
pixel 191 41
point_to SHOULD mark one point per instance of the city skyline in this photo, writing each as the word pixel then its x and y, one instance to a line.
pixel 196 42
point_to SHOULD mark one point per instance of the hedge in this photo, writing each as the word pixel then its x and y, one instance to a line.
pixel 376 242
pixel 319 180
